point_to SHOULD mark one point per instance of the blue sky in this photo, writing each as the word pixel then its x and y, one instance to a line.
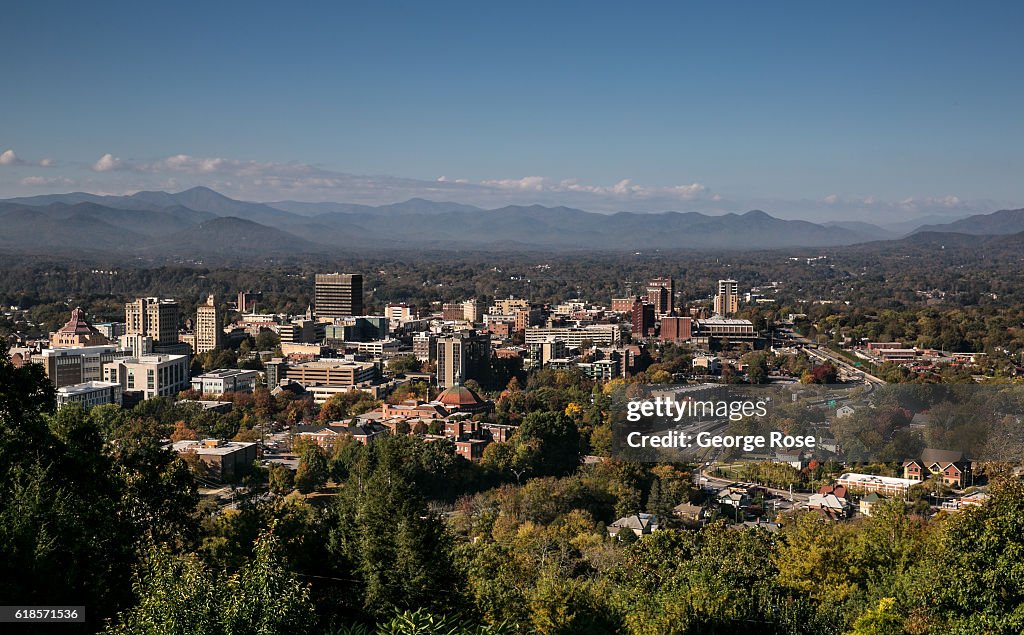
pixel 818 110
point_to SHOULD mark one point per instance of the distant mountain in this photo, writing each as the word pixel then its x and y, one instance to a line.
pixel 1006 221
pixel 188 220
pixel 902 228
pixel 229 236
pixel 412 206
pixel 204 199
pixel 31 230
pixel 866 231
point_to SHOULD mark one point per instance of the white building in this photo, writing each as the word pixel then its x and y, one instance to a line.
pixel 152 375
pixel 225 380
pixel 89 394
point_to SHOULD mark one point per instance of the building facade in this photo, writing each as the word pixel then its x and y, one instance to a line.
pixel 151 375
pixel 209 334
pixel 461 356
pixel 338 295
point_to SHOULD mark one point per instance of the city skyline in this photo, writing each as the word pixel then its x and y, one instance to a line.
pixel 823 113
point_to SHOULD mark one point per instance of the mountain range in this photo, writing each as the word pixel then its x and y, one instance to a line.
pixel 202 223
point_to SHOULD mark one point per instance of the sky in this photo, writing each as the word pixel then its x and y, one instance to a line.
pixel 827 111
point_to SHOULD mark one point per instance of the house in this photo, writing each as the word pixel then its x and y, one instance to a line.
pixel 639 524
pixel 949 465
pixel 844 411
pixel 829 505
pixel 690 514
pixel 868 502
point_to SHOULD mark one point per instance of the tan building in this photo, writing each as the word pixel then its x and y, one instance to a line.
pixel 209 334
pixel 78 332
pixel 727 301
pixel 153 318
pixel 331 372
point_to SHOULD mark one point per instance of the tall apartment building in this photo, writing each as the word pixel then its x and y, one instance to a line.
pixel 247 301
pixel 424 346
pixel 209 334
pixel 338 295
pixel 462 356
pixel 154 318
pixel 398 313
pixel 642 318
pixel 661 292
pixel 727 301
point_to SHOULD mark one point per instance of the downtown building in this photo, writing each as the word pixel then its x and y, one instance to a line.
pixel 209 334
pixel 338 295
pixel 157 319
pixel 150 375
pixel 462 356
pixel 727 300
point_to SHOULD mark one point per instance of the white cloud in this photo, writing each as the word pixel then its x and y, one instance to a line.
pixel 107 163
pixel 8 157
pixel 831 199
pixel 49 181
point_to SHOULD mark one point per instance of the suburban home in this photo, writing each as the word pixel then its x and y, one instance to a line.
pixel 844 411
pixel 639 524
pixel 829 505
pixel 868 502
pixel 688 513
pixel 950 465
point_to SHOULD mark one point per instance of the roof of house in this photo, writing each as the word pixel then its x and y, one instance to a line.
pixel 637 521
pixel 931 456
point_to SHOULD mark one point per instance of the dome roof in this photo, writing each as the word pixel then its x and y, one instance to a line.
pixel 459 396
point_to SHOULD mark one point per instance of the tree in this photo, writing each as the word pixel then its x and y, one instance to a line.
pixel 313 470
pixel 549 443
pixel 180 595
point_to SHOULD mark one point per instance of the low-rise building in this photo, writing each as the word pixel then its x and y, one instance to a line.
pixel 220 460
pixel 225 380
pixel 89 394
pixel 151 375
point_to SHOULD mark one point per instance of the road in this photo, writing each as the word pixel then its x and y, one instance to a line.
pixel 798 497
pixel 826 355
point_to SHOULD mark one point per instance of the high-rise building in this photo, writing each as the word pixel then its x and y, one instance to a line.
pixel 661 292
pixel 643 318
pixel 209 334
pixel 338 295
pixel 154 318
pixel 247 301
pixel 70 365
pixel 462 356
pixel 727 301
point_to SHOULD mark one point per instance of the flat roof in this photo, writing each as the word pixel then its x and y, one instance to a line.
pixel 85 387
pixel 874 479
